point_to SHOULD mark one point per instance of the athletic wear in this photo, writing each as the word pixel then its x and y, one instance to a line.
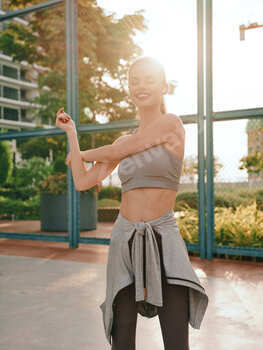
pixel 173 315
pixel 153 167
pixel 123 269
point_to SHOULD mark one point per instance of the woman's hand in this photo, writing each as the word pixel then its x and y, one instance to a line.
pixel 64 121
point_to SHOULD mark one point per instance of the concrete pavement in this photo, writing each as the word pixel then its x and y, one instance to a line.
pixel 50 296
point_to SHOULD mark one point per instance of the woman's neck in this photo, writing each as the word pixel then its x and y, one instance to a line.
pixel 148 116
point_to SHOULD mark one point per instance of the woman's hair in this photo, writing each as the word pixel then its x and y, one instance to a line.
pixel 161 70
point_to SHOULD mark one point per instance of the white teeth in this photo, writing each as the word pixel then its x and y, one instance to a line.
pixel 142 95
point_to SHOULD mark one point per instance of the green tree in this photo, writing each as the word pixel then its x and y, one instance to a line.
pixel 40 146
pixel 31 171
pixel 5 161
pixel 107 42
pixel 106 45
pixel 190 167
pixel 253 163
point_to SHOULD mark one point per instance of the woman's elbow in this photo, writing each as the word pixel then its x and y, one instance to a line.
pixel 84 186
pixel 81 187
pixel 78 188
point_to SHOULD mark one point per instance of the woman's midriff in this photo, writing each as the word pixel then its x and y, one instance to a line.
pixel 147 203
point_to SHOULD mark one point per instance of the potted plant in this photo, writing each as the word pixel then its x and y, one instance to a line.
pixel 54 205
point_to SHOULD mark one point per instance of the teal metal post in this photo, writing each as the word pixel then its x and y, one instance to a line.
pixel 200 126
pixel 72 110
pixel 209 132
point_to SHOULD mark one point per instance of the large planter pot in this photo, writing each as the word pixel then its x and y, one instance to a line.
pixel 54 212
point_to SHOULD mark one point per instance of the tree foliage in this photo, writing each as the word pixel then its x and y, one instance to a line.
pixel 31 171
pixel 253 163
pixel 5 161
pixel 105 46
pixel 190 167
pixel 107 42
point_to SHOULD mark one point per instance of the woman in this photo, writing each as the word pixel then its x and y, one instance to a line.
pixel 148 268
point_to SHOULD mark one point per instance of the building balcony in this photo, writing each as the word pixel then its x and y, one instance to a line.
pixel 17 124
pixel 8 102
pixel 25 84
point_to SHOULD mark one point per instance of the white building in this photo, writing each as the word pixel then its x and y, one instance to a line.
pixel 18 84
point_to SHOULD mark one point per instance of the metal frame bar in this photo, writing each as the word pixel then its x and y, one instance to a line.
pixel 209 133
pixel 210 118
pixel 204 113
pixel 73 196
pixel 128 124
pixel 200 124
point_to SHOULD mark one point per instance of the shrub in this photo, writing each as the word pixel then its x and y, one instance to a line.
pixel 188 225
pixel 259 199
pixel 30 171
pixel 111 192
pixel 57 184
pixel 21 209
pixel 240 227
pixel 107 202
pixel 186 199
pixel 59 165
pixel 13 192
pixel 227 199
pixel 5 161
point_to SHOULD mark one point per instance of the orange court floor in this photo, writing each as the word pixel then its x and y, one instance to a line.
pixel 50 297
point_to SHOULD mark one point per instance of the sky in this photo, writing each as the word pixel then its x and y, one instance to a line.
pixel 237 66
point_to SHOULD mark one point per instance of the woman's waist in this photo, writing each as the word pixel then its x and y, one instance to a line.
pixel 146 205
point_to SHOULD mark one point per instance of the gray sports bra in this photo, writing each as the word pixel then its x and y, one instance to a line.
pixel 153 167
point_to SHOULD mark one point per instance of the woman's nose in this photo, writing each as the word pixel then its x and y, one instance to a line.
pixel 143 86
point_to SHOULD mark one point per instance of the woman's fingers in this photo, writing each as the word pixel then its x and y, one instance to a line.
pixel 62 116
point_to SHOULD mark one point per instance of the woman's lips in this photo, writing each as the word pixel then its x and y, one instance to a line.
pixel 142 96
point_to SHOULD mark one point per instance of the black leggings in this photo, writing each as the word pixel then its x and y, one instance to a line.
pixel 173 316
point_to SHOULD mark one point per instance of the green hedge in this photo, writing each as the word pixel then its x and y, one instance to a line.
pixel 224 198
pixel 106 202
pixel 5 161
pixel 20 193
pixel 259 199
pixel 25 203
pixel 23 210
pixel 111 192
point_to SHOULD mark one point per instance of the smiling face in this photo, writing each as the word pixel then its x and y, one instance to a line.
pixel 147 83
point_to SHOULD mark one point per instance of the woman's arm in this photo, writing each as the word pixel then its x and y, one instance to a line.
pixel 78 167
pixel 169 129
pixel 98 172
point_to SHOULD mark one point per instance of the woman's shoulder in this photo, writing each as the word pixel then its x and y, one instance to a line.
pixel 124 136
pixel 176 118
pixel 176 123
